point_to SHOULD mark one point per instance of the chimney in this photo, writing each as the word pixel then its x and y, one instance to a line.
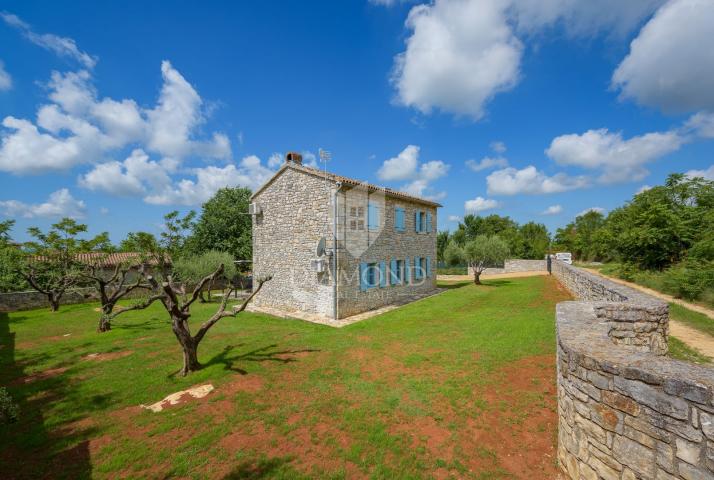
pixel 294 157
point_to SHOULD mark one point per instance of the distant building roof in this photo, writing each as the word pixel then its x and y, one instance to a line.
pixel 347 181
pixel 102 259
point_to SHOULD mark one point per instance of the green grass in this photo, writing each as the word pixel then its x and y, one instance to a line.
pixel 680 351
pixel 690 317
pixel 292 400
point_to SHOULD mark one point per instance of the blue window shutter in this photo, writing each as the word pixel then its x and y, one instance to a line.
pixel 428 222
pixel 399 219
pixel 393 272
pixel 383 274
pixel 417 269
pixel 416 222
pixel 363 276
pixel 407 272
pixel 428 267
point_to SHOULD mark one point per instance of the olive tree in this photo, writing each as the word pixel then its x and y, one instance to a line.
pixel 178 306
pixel 483 251
pixel 112 287
pixel 51 266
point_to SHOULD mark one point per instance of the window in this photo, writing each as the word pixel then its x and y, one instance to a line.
pixel 353 224
pixel 372 216
pixel 357 213
pixel 422 221
pixel 360 224
pixel 372 274
pixel 368 275
pixel 396 272
pixel 418 272
pixel 399 219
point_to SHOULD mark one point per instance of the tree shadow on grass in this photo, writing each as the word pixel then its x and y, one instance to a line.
pixel 496 283
pixel 27 449
pixel 228 358
pixel 454 285
pixel 263 468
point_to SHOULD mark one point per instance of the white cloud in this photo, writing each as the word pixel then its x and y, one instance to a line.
pixel 583 17
pixel 707 174
pixel 406 166
pixel 60 46
pixel 249 173
pixel 59 204
pixel 5 78
pixel 77 127
pixel 127 178
pixel 275 160
pixel 591 209
pixel 104 210
pixel 460 54
pixel 620 160
pixel 643 188
pixel 486 163
pixel 480 204
pixel 529 180
pixel 701 125
pixel 669 65
pixel 454 218
pixel 498 147
pixel 402 167
pixel 552 210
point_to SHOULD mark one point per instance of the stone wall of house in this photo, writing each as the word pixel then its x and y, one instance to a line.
pixel 298 211
pixel 515 265
pixel 626 410
pixel 383 244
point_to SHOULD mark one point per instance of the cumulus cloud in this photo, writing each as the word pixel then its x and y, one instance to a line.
pixel 127 178
pixel 249 173
pixel 77 127
pixel 401 167
pixel 137 175
pixel 669 66
pixel 407 167
pixel 5 78
pixel 643 188
pixel 461 53
pixel 486 163
pixel 529 180
pixel 619 159
pixel 60 46
pixel 552 210
pixel 591 209
pixel 707 174
pixel 480 204
pixel 59 204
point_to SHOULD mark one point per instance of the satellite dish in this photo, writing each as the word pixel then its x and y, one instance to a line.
pixel 320 251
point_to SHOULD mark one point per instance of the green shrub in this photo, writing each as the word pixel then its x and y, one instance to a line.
pixel 9 411
pixel 689 279
pixel 452 271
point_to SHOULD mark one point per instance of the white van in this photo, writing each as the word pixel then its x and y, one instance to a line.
pixel 564 257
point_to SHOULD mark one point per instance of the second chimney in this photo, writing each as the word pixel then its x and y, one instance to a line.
pixel 293 157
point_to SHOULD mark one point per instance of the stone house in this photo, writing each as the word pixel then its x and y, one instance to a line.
pixel 384 253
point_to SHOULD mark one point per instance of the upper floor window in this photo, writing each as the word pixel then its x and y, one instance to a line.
pixel 399 219
pixel 372 216
pixel 422 221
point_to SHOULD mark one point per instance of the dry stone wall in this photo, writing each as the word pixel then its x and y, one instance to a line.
pixel 626 410
pixel 516 265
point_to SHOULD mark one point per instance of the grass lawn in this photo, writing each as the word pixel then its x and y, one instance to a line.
pixel 459 384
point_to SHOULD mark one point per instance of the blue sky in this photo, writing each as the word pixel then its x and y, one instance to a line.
pixel 118 113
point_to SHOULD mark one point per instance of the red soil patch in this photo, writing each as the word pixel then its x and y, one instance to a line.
pixel 52 372
pixel 307 446
pixel 515 432
pixel 100 357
